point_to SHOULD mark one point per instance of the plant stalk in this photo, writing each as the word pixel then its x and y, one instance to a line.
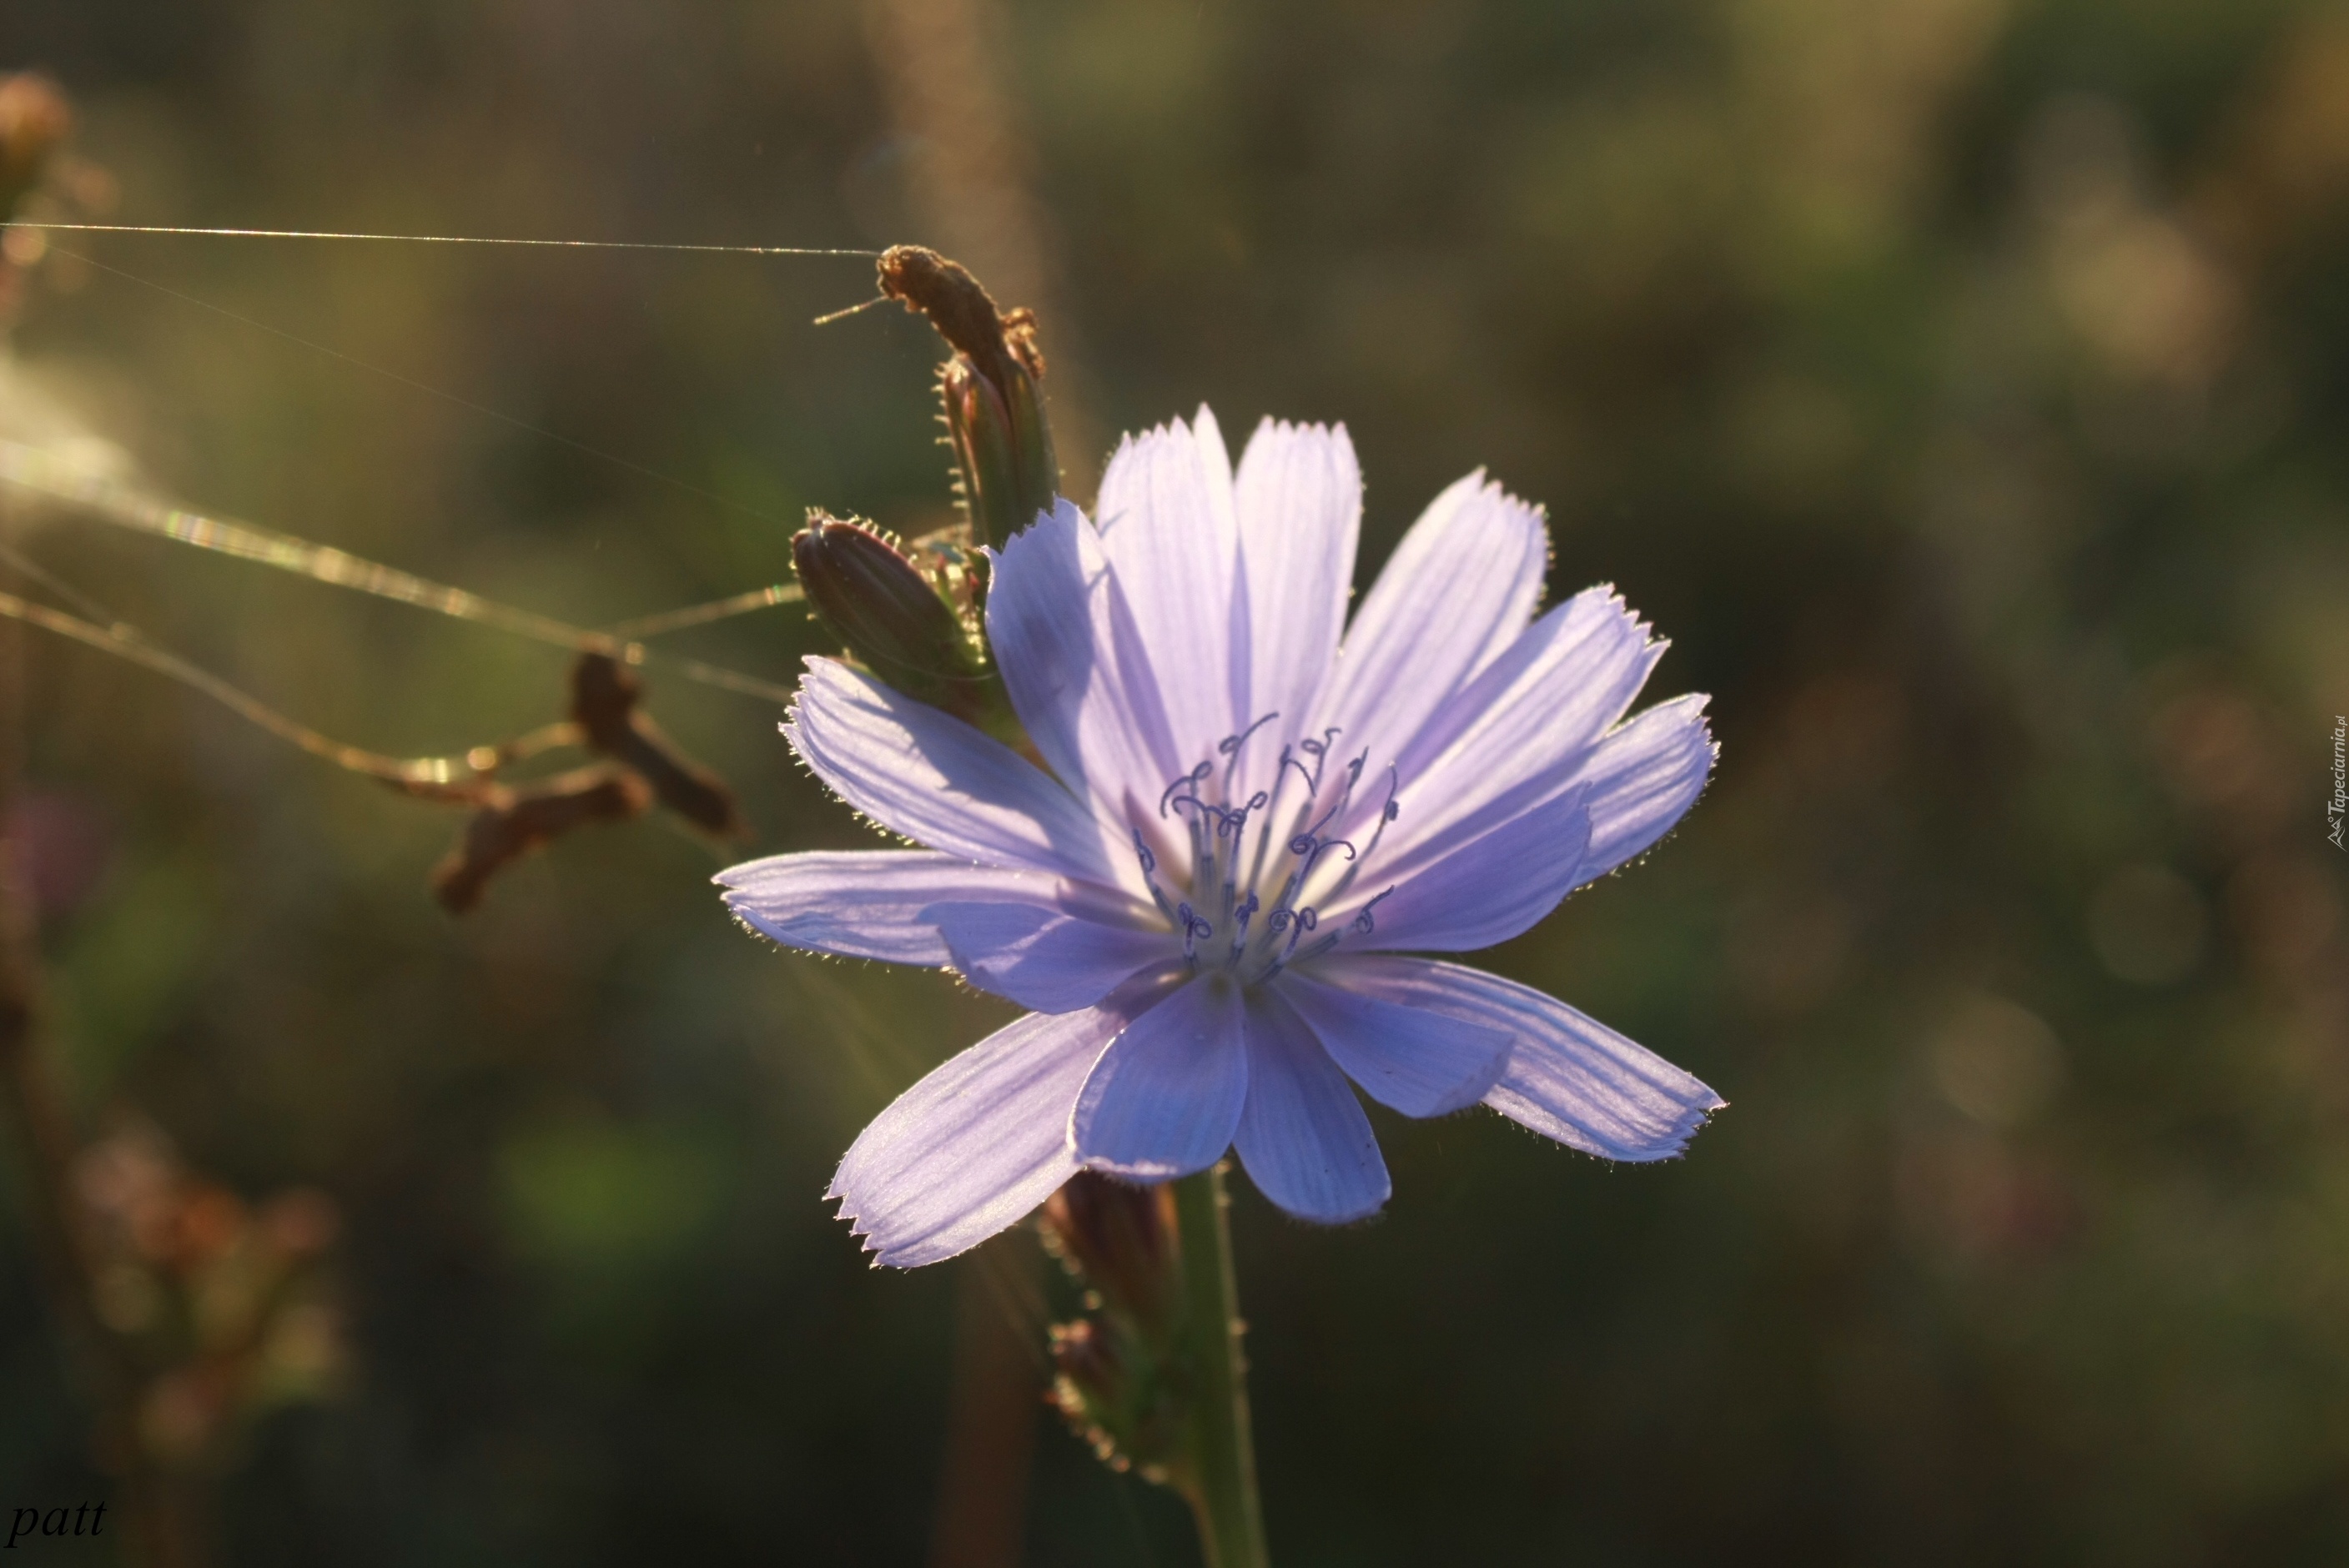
pixel 1220 1477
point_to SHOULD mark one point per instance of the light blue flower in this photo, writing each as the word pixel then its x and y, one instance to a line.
pixel 1249 811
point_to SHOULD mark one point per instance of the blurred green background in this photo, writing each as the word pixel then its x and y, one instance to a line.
pixel 1958 383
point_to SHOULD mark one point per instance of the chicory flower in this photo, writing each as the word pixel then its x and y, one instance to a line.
pixel 1251 816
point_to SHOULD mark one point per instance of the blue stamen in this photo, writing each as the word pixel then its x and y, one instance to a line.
pixel 1309 844
pixel 1315 950
pixel 1191 780
pixel 1267 938
pixel 1231 743
pixel 1229 746
pixel 1320 751
pixel 1288 761
pixel 1150 875
pixel 1387 813
pixel 1193 929
pixel 1305 920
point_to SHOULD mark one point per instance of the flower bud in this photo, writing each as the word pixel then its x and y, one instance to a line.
pixel 875 599
pixel 895 618
pixel 1119 1239
pixel 607 703
pixel 1111 1386
pixel 978 428
pixel 515 820
pixel 1088 1374
pixel 993 390
pixel 1120 1375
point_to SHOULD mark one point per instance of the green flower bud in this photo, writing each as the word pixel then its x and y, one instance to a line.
pixel 986 473
pixel 895 619
pixel 1120 1375
pixel 1110 1386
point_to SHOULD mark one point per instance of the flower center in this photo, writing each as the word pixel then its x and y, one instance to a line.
pixel 1263 861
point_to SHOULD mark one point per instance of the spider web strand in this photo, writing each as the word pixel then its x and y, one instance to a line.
pixel 126 642
pixel 445 240
pixel 106 500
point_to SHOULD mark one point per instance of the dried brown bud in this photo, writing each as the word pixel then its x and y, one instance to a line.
pixel 962 310
pixel 516 821
pixel 604 697
pixel 993 390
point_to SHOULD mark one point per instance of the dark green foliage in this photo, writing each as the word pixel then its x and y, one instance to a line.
pixel 1959 385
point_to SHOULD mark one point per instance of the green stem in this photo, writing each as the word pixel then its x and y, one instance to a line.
pixel 1221 1474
